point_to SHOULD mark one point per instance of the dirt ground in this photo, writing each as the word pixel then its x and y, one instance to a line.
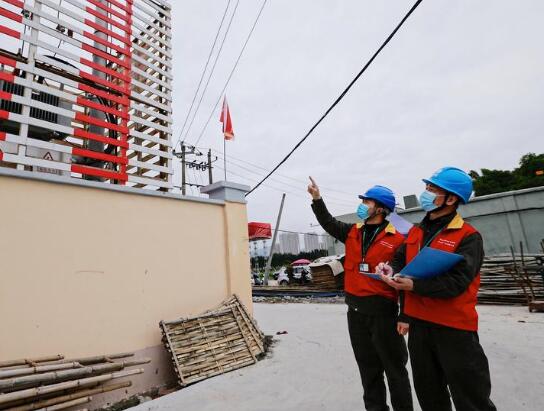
pixel 312 366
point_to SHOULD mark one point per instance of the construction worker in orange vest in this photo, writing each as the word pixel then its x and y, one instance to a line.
pixel 372 305
pixel 445 352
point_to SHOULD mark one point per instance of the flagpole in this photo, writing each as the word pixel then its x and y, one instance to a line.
pixel 227 131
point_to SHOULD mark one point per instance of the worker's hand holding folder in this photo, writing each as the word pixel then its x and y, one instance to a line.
pixel 429 263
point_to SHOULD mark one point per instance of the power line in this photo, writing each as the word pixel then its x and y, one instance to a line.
pixel 231 72
pixel 287 184
pixel 340 97
pixel 230 158
pixel 260 174
pixel 253 179
pixel 281 190
pixel 203 72
pixel 212 70
pixel 298 232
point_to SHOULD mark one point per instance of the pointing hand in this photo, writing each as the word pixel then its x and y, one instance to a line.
pixel 313 189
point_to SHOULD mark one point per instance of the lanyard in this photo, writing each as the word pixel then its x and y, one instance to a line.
pixel 370 242
pixel 430 240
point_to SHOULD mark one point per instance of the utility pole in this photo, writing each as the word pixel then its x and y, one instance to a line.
pixel 182 168
pixel 187 150
pixel 225 157
pixel 269 262
pixel 210 174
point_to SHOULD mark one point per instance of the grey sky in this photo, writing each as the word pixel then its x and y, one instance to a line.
pixel 461 84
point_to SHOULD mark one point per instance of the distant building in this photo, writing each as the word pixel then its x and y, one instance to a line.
pixel 289 243
pixel 311 242
pixel 261 248
pixel 328 243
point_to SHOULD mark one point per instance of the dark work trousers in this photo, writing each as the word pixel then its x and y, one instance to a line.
pixel 444 357
pixel 378 348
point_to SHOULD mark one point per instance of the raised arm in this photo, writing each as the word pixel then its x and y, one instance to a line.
pixel 331 225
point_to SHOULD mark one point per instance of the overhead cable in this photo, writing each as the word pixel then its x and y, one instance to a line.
pixel 203 72
pixel 231 73
pixel 211 71
pixel 340 97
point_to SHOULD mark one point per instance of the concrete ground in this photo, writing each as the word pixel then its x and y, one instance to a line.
pixel 312 367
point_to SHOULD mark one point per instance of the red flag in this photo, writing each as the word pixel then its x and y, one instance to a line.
pixel 227 122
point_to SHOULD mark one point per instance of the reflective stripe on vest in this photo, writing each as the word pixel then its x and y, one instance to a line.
pixel 382 249
pixel 457 312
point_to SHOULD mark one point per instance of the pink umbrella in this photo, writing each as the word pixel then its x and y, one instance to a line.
pixel 302 261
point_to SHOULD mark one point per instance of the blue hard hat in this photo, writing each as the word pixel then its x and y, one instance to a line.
pixel 382 194
pixel 453 180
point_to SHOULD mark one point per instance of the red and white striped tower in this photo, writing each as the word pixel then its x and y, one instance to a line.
pixel 114 62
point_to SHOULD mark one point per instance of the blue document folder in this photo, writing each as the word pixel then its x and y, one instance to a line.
pixel 429 263
pixel 371 275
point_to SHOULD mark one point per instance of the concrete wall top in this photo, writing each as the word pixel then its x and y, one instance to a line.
pixel 227 190
pixel 56 179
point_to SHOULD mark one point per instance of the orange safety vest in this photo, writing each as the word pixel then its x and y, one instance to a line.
pixel 381 249
pixel 457 312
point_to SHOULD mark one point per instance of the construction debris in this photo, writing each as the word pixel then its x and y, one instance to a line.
pixel 55 383
pixel 215 342
pixel 502 281
pixel 327 273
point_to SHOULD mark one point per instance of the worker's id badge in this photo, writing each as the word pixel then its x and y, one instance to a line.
pixel 363 268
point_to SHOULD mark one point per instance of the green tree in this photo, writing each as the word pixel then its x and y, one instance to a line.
pixel 528 174
pixel 493 181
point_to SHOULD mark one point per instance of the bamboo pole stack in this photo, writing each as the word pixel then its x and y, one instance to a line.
pixel 55 383
pixel 217 341
pixel 499 285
